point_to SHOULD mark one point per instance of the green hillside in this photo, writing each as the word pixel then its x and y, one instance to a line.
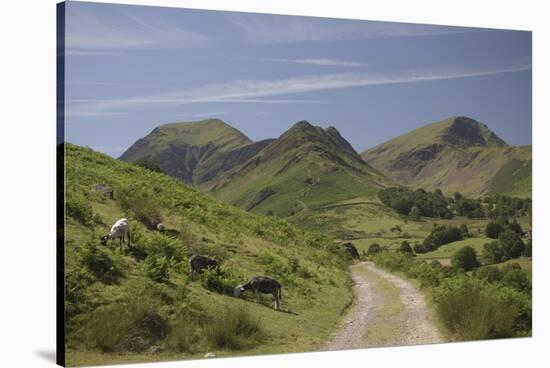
pixel 304 169
pixel 140 304
pixel 456 154
pixel 194 152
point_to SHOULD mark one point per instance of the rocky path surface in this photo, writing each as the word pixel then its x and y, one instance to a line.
pixel 388 311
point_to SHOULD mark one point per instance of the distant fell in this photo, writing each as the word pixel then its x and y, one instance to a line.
pixel 456 154
pixel 305 168
pixel 194 152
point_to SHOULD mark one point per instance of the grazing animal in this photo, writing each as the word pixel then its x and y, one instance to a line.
pixel 351 250
pixel 120 230
pixel 161 227
pixel 261 284
pixel 199 262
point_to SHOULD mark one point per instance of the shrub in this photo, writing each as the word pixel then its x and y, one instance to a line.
pixel 511 244
pixel 464 230
pixel 420 248
pixel 465 258
pixel 528 252
pixel 222 282
pixel 234 328
pixel 517 279
pixel 186 331
pixel 149 165
pixel 101 263
pixel 125 326
pixel 157 268
pixel 374 248
pixel 492 253
pixel 78 208
pixel 142 202
pixel 441 235
pixel 493 230
pixel 472 310
pixel 415 213
pixel 490 273
pixel 405 247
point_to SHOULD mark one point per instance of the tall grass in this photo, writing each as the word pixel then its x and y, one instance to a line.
pixel 234 328
pixel 134 325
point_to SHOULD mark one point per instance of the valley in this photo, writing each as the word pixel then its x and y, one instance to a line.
pixel 284 207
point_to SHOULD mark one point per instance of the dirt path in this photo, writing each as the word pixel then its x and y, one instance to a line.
pixel 388 311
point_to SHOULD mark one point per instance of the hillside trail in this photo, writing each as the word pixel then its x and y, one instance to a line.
pixel 388 311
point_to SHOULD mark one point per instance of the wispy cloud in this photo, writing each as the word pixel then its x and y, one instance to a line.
pixel 267 28
pixel 90 53
pixel 100 33
pixel 321 62
pixel 256 91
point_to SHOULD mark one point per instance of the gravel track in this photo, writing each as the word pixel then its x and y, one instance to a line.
pixel 410 324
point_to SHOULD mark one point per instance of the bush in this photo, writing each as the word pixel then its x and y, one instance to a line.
pixel 528 252
pixel 186 332
pixel 79 209
pixel 492 253
pixel 134 325
pixel 101 263
pixel 374 248
pixel 493 230
pixel 511 244
pixel 517 279
pixel 441 235
pixel 157 268
pixel 149 165
pixel 143 204
pixel 223 282
pixel 490 273
pixel 420 248
pixel 405 247
pixel 465 258
pixel 472 310
pixel 234 328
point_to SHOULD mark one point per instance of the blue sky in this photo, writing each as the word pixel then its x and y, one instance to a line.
pixel 132 68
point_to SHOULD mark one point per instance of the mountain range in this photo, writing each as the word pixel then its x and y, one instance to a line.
pixel 309 167
pixel 456 154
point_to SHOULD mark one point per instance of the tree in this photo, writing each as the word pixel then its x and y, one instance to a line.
pixel 405 247
pixel 374 248
pixel 517 279
pixel 528 249
pixel 149 165
pixel 420 248
pixel 492 253
pixel 490 273
pixel 511 244
pixel 465 258
pixel 464 230
pixel 515 227
pixel 415 213
pixel 493 230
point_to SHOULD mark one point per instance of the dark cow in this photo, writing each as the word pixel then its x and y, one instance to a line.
pixel 351 250
pixel 199 262
pixel 262 284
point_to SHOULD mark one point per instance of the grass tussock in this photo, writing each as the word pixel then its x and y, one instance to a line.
pixel 234 328
pixel 134 326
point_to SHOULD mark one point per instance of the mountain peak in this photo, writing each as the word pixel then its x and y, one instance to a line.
pixel 464 131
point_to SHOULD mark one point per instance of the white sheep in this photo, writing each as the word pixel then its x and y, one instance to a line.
pixel 119 231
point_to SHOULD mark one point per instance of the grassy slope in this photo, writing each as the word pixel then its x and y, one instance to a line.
pixel 238 237
pixel 473 170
